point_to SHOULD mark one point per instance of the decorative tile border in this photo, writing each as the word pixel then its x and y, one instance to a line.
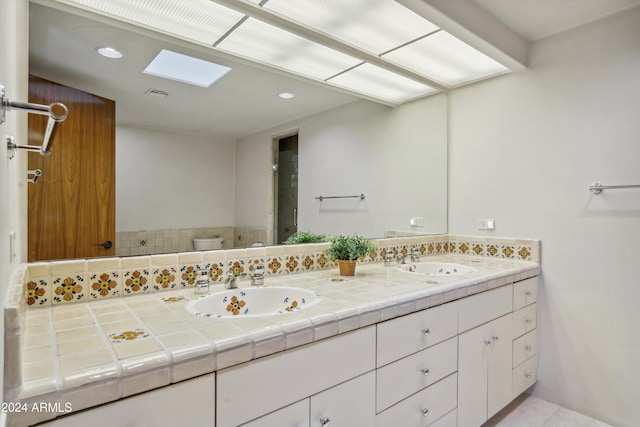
pixel 62 282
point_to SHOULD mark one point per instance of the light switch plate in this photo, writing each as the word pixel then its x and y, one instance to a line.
pixel 486 224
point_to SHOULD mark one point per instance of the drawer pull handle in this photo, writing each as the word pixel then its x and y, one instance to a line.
pixel 528 293
pixel 528 321
pixel 426 331
pixel 528 375
pixel 495 338
pixel 325 421
pixel 425 412
pixel 425 371
pixel 528 348
pixel 487 342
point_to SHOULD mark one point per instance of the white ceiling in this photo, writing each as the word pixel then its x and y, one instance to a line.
pixel 536 19
pixel 62 49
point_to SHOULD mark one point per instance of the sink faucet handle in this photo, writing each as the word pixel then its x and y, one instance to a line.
pixel 257 278
pixel 388 260
pixel 415 254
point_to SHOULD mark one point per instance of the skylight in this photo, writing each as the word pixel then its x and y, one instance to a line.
pixel 185 69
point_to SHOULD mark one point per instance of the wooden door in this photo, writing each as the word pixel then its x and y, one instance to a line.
pixel 72 207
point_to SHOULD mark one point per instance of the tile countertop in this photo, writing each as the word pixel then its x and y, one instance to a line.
pixel 91 353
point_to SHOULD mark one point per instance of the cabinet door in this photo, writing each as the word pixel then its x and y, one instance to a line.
pixel 499 365
pixel 346 405
pixel 484 373
pixel 189 403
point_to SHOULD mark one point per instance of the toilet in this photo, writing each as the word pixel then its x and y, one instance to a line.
pixel 208 244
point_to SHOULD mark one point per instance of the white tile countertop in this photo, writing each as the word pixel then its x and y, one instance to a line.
pixel 95 352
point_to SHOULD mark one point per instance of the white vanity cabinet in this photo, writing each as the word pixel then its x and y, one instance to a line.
pixel 348 404
pixel 328 373
pixel 525 335
pixel 484 355
pixel 189 403
pixel 417 355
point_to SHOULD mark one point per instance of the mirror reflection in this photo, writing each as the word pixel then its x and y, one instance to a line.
pixel 234 159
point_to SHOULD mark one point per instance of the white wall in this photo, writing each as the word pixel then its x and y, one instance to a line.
pixel 13 184
pixel 395 156
pixel 523 150
pixel 170 180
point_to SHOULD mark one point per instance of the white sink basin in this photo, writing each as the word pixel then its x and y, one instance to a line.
pixel 436 268
pixel 253 302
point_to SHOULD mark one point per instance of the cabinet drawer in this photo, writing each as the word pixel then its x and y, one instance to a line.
pixel 296 415
pixel 187 403
pixel 424 407
pixel 406 335
pixel 525 293
pixel 404 377
pixel 245 391
pixel 524 376
pixel 525 347
pixel 484 307
pixel 349 404
pixel 525 320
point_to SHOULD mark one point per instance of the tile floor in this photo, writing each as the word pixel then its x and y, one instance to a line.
pixel 530 411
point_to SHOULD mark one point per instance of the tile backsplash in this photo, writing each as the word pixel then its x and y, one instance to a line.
pixel 64 282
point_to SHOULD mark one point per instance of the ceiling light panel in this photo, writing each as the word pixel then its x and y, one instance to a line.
pixel 265 43
pixel 379 83
pixel 373 25
pixel 446 59
pixel 185 69
pixel 202 21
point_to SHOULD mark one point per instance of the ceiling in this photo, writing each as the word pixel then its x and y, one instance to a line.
pixel 537 19
pixel 63 40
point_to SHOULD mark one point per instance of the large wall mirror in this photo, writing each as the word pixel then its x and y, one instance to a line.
pixel 236 160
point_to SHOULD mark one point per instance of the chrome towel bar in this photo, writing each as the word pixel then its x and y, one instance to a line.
pixel 596 187
pixel 57 113
pixel 321 198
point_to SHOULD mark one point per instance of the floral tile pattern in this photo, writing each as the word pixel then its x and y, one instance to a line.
pixel 68 289
pixel 237 267
pixel 292 264
pixel 136 281
pixel 164 278
pixel 308 263
pixel 128 335
pixel 274 265
pixel 57 283
pixel 235 305
pixel 217 272
pixel 524 253
pixel 104 285
pixel 323 262
pixel 508 251
pixel 188 275
pixel 36 293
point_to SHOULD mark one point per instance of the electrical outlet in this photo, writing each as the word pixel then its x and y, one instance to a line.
pixel 486 224
pixel 416 221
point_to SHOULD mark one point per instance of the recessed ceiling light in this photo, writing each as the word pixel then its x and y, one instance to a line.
pixel 286 95
pixel 185 69
pixel 109 52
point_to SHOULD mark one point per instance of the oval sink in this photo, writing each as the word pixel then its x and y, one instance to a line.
pixel 436 268
pixel 253 302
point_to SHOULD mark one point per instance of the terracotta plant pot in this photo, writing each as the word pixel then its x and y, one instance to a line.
pixel 347 268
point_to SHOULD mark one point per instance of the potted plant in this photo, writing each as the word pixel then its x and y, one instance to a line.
pixel 346 250
pixel 305 237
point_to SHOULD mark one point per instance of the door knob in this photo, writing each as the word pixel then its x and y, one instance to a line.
pixel 107 245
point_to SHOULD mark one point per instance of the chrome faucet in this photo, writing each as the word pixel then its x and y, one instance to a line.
pixel 231 282
pixel 415 256
pixel 257 278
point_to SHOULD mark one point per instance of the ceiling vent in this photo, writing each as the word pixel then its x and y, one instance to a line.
pixel 157 93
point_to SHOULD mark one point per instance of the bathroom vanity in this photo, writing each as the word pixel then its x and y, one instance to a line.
pixel 383 348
